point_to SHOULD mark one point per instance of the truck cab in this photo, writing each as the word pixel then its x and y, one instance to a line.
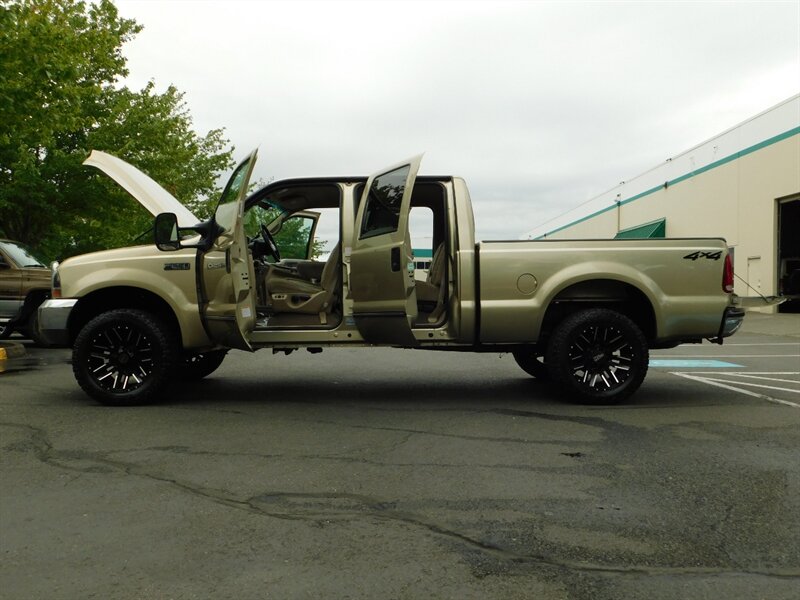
pixel 366 291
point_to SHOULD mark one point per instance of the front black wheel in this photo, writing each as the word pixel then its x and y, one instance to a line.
pixel 124 357
pixel 196 366
pixel 599 356
pixel 532 364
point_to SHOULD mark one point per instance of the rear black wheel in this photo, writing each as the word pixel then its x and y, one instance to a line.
pixel 598 356
pixel 197 366
pixel 124 357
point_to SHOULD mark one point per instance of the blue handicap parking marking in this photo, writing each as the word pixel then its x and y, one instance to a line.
pixel 708 364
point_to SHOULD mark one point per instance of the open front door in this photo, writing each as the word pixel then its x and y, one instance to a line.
pixel 381 262
pixel 229 313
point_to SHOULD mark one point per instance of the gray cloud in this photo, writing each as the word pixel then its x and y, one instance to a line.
pixel 538 105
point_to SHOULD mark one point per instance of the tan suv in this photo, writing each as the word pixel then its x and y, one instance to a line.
pixel 24 285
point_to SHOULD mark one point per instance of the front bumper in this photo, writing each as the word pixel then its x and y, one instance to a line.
pixel 53 318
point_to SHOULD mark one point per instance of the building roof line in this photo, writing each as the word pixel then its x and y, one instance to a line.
pixel 736 155
pixel 675 158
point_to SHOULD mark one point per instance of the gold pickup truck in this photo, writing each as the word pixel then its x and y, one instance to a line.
pixel 582 313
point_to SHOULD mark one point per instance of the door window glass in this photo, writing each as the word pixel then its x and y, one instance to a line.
pixel 228 209
pixel 382 212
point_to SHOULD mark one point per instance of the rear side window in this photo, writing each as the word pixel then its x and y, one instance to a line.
pixel 382 211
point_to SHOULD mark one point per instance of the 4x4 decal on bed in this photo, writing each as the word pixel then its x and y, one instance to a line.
pixel 709 255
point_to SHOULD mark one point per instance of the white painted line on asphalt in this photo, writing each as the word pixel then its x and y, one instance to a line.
pixel 725 356
pixel 747 372
pixel 768 344
pixel 762 378
pixel 756 385
pixel 694 377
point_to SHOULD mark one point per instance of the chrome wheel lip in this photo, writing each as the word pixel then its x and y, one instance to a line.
pixel 601 358
pixel 120 358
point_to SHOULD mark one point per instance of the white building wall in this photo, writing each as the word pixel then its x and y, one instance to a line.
pixel 727 187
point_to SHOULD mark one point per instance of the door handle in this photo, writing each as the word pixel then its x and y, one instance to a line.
pixel 395 259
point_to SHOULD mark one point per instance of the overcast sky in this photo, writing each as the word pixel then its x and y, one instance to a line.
pixel 539 106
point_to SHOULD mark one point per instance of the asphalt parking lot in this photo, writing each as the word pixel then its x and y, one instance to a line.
pixel 375 473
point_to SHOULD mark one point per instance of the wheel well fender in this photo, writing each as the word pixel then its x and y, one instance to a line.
pixel 616 295
pixel 105 299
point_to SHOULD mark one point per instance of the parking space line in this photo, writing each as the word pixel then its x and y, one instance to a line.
pixel 695 377
pixel 757 385
pixel 726 355
pixel 766 344
pixel 749 373
pixel 762 378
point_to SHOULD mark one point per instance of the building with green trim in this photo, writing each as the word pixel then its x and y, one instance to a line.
pixel 742 185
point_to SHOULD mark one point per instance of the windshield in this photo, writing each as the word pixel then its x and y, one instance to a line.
pixel 22 256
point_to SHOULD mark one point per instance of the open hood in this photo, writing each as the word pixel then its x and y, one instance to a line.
pixel 149 194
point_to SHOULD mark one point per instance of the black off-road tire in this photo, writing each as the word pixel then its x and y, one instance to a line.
pixel 194 367
pixel 598 356
pixel 532 364
pixel 124 357
pixel 33 328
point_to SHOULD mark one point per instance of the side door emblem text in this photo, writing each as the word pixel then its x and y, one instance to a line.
pixel 176 266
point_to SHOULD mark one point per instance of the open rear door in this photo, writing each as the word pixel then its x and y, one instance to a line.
pixel 381 262
pixel 229 313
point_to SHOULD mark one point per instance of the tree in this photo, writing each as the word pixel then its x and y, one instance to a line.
pixel 60 97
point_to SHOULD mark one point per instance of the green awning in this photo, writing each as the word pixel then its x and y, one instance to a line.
pixel 654 229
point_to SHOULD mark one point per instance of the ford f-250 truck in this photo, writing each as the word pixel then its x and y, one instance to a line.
pixel 582 313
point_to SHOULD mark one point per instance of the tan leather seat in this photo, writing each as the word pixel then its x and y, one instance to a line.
pixel 292 294
pixel 428 290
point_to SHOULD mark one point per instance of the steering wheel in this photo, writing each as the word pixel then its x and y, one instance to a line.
pixel 272 247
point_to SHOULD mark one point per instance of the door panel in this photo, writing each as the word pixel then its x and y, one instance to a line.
pixel 381 263
pixel 227 272
pixel 10 282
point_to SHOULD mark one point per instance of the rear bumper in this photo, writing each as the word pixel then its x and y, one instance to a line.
pixel 732 320
pixel 53 318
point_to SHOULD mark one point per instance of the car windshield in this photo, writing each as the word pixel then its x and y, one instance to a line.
pixel 21 255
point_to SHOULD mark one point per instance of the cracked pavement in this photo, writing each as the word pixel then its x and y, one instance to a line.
pixel 375 473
